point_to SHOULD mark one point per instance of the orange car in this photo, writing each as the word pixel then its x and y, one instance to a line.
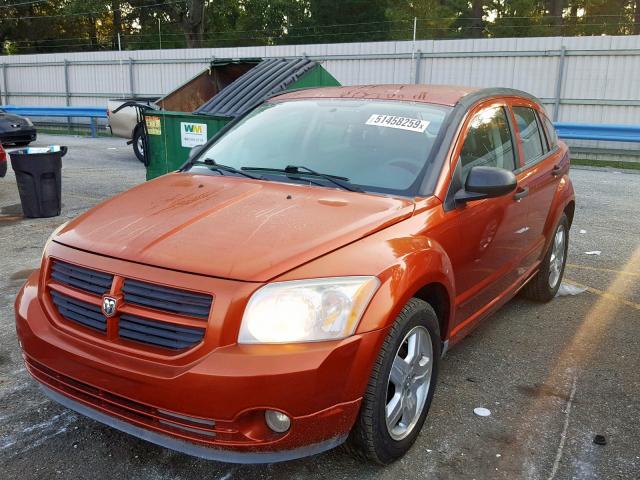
pixel 296 283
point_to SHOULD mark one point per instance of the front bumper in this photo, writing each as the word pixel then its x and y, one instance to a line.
pixel 212 407
pixel 18 135
pixel 194 449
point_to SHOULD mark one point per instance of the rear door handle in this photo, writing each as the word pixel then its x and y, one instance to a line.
pixel 520 194
pixel 556 170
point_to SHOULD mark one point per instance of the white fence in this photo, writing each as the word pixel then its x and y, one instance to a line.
pixel 580 79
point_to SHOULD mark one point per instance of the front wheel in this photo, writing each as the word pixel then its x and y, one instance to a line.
pixel 545 284
pixel 401 387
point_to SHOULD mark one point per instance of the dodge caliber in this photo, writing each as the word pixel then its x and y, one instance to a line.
pixel 294 286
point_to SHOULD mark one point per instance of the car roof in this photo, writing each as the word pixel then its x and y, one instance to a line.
pixel 438 94
pixel 449 95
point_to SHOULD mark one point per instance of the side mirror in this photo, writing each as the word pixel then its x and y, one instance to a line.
pixel 486 182
pixel 195 151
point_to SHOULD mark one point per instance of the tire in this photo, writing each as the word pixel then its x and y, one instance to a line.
pixel 137 143
pixel 545 284
pixel 370 438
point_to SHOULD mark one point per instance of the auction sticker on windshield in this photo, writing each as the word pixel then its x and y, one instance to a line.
pixel 393 121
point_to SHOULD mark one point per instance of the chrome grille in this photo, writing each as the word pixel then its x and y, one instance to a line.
pixel 168 299
pixel 139 297
pixel 81 278
pixel 85 314
pixel 160 334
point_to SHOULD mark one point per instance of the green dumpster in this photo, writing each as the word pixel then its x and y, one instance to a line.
pixel 196 111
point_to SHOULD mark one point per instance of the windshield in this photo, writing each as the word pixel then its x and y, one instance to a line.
pixel 377 146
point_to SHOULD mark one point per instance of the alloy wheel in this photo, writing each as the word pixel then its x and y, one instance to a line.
pixel 408 383
pixel 557 256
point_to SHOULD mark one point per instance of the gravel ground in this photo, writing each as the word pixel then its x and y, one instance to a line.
pixel 553 375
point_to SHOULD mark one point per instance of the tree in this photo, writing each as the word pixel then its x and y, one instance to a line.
pixel 435 18
pixel 519 18
pixel 555 13
pixel 347 21
pixel 51 26
pixel 477 24
pixel 95 20
pixel 76 25
pixel 191 16
pixel 609 17
pixel 117 24
pixel 269 22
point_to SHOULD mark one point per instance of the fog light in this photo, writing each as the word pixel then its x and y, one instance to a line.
pixel 277 421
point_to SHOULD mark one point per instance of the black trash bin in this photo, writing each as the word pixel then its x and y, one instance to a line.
pixel 38 175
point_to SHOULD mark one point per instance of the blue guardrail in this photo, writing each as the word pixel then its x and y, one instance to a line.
pixel 593 131
pixel 86 112
pixel 574 131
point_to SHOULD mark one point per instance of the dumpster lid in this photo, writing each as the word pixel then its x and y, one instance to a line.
pixel 221 62
pixel 270 76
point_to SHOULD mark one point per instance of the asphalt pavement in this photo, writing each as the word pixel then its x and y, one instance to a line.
pixel 553 375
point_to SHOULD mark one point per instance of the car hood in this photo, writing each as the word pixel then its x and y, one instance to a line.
pixel 229 227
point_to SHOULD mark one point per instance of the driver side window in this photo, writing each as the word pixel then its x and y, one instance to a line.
pixel 488 142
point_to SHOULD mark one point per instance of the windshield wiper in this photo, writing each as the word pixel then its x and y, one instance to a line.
pixel 218 167
pixel 284 171
pixel 342 182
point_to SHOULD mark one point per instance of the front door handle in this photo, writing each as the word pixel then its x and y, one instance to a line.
pixel 520 194
pixel 556 170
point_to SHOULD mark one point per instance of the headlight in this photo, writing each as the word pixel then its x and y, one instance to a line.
pixel 53 234
pixel 306 310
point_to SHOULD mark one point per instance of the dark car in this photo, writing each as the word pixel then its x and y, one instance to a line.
pixel 16 130
pixel 3 162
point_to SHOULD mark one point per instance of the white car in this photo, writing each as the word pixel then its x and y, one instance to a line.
pixel 126 122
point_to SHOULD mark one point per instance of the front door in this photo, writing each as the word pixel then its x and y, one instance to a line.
pixel 492 242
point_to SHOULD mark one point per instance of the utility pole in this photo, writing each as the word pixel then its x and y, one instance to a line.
pixel 413 49
pixel 121 67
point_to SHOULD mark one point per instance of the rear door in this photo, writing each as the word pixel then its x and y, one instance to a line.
pixel 538 173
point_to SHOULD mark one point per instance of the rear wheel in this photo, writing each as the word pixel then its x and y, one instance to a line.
pixel 138 143
pixel 401 387
pixel 545 284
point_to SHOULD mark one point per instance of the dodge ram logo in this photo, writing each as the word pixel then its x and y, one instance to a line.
pixel 109 306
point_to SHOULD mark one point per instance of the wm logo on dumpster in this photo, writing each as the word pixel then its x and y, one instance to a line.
pixel 193 134
pixel 192 128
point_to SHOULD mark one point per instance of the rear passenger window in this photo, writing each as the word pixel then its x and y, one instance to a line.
pixel 488 142
pixel 533 140
pixel 552 135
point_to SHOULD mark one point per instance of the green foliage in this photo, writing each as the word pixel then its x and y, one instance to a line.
pixel 363 20
pixel 76 25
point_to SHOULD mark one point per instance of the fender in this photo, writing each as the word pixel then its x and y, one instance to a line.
pixel 403 261
pixel 563 196
pixel 427 264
